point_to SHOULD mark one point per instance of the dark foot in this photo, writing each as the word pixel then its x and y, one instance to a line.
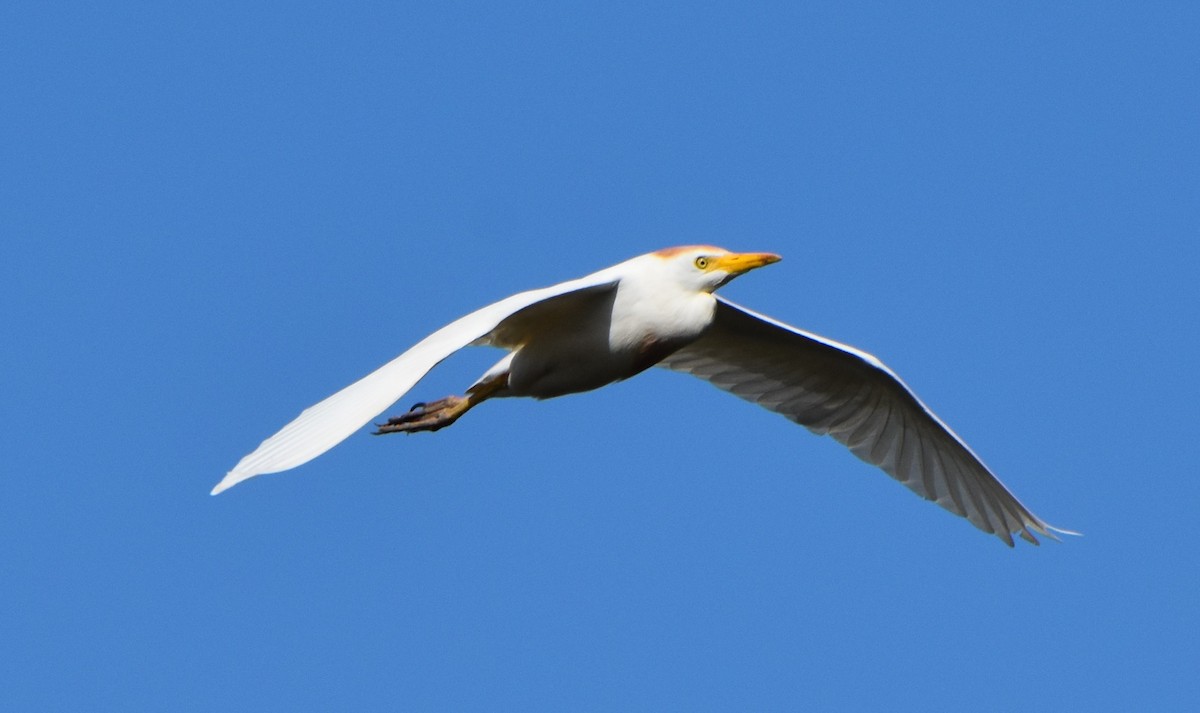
pixel 426 416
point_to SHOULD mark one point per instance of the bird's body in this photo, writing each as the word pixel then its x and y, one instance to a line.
pixel 659 309
pixel 590 338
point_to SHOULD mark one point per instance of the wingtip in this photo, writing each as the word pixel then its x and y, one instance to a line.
pixel 1060 531
pixel 1049 531
pixel 226 483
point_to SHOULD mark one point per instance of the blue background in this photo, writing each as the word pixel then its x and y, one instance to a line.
pixel 216 214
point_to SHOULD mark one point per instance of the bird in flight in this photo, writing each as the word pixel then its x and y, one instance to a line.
pixel 660 309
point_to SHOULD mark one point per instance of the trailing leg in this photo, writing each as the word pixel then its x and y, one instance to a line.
pixel 438 414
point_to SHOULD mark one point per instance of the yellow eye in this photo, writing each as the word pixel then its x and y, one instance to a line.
pixel 702 262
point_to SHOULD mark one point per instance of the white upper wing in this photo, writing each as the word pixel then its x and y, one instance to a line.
pixel 835 389
pixel 321 427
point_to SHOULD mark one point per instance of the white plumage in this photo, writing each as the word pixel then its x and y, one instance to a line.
pixel 659 309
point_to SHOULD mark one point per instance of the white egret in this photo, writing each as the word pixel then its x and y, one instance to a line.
pixel 659 309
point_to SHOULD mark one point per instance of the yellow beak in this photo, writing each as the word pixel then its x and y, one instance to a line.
pixel 738 263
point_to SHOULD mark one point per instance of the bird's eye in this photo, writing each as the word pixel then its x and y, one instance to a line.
pixel 702 262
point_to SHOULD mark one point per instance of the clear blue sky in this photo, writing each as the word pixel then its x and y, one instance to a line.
pixel 216 214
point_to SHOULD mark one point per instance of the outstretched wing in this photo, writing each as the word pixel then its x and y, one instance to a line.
pixel 323 426
pixel 837 390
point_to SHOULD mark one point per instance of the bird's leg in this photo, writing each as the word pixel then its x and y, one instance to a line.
pixel 438 414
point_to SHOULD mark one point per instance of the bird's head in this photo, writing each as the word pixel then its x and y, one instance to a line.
pixel 705 268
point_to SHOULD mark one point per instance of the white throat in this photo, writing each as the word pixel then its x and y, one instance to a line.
pixel 648 310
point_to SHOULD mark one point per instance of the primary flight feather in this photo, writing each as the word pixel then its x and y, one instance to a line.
pixel 659 309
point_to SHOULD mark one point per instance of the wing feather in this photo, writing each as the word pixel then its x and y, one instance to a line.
pixel 834 389
pixel 324 425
